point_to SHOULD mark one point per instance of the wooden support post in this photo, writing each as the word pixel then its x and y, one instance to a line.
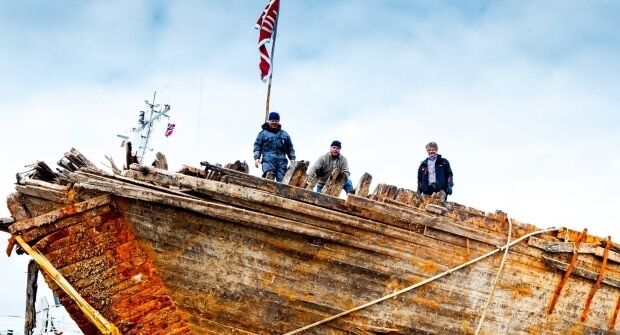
pixel 569 271
pixel 31 297
pixel 296 174
pixel 363 187
pixel 599 279
pixel 104 326
pixel 334 183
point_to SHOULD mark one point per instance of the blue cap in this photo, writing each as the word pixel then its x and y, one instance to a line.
pixel 336 143
pixel 274 116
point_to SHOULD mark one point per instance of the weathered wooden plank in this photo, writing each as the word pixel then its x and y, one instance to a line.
pixel 31 296
pixel 581 272
pixel 568 247
pixel 273 205
pixel 93 216
pixel 228 213
pixel 379 211
pixel 46 185
pixel 279 189
pixel 44 193
pixel 363 187
pixel 15 204
pixel 407 197
pixel 296 174
pixel 335 182
pixel 236 197
pixel 53 216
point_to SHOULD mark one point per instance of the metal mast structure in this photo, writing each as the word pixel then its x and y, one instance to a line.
pixel 146 123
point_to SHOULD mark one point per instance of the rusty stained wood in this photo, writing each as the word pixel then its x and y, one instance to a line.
pixel 53 216
pixel 43 193
pixel 568 247
pixel 230 256
pixel 232 269
pixel 124 191
pixel 578 271
pixel 208 187
pixel 236 193
pixel 102 259
pixel 296 174
pixel 363 186
pixel 140 173
pixel 31 296
pixel 335 182
pixel 379 210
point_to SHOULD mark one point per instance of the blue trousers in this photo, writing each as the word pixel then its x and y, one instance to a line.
pixel 348 187
pixel 275 164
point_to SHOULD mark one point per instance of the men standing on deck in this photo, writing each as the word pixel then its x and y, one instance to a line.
pixel 324 166
pixel 273 144
pixel 434 173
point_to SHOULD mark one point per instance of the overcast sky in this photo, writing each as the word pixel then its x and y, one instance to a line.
pixel 522 96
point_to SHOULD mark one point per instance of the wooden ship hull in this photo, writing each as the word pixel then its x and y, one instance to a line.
pixel 217 251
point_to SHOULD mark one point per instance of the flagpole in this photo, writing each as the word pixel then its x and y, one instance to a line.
pixel 273 45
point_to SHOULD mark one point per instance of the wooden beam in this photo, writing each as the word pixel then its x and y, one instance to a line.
pixel 232 214
pixel 358 206
pixel 334 183
pixel 104 326
pixel 275 205
pixel 363 187
pixel 44 193
pixel 296 174
pixel 379 211
pixel 58 214
pixel 581 272
pixel 568 247
pixel 31 297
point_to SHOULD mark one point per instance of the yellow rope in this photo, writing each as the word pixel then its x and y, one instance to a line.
pixel 499 271
pixel 424 282
pixel 104 326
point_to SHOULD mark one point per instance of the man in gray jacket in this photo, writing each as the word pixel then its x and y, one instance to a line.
pixel 324 166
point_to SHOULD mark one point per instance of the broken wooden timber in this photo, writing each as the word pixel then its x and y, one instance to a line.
pixel 363 187
pixel 272 204
pixel 31 296
pixel 379 211
pixel 335 182
pixel 103 325
pixel 366 208
pixel 569 247
pixel 296 174
pixel 59 213
pixel 269 186
pixel 578 271
pixel 230 213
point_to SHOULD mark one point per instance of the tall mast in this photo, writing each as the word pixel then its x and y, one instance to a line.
pixel 145 129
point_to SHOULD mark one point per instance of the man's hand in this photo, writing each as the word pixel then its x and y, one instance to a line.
pixel 292 162
pixel 257 162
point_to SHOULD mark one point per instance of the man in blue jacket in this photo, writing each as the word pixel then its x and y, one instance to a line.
pixel 434 173
pixel 273 144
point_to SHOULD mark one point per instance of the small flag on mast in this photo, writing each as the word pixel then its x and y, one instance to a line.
pixel 170 129
pixel 266 25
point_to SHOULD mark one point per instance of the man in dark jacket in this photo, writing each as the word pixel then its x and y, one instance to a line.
pixel 434 173
pixel 273 144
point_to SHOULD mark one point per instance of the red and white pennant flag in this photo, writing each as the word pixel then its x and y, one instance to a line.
pixel 266 25
pixel 169 129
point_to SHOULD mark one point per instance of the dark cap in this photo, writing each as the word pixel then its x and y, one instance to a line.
pixel 336 143
pixel 274 116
